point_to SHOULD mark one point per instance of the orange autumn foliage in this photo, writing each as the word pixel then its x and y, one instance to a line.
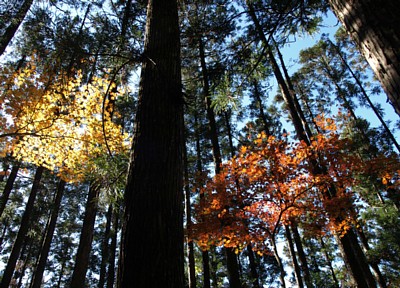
pixel 274 182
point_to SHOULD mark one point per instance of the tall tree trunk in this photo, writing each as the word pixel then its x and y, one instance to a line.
pixel 152 240
pixel 231 259
pixel 252 263
pixel 24 258
pixel 85 241
pixel 366 97
pixel 352 253
pixel 375 27
pixel 113 248
pixel 199 167
pixel 257 97
pixel 44 252
pixel 329 261
pixel 292 252
pixel 189 223
pixel 13 27
pixel 23 229
pixel 8 188
pixel 280 264
pixel 302 256
pixel 105 249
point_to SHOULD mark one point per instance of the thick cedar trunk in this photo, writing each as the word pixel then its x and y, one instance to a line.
pixel 152 240
pixel 375 27
pixel 292 253
pixel 232 263
pixel 105 249
pixel 85 241
pixel 8 188
pixel 113 249
pixel 44 252
pixel 25 221
pixel 13 27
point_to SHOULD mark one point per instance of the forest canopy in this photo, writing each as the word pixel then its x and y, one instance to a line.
pixel 168 143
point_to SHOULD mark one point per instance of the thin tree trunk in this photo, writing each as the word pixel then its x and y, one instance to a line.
pixel 189 223
pixel 113 248
pixel 263 117
pixel 85 241
pixel 61 274
pixel 232 264
pixel 366 97
pixel 44 252
pixel 329 261
pixel 375 27
pixel 25 223
pixel 302 256
pixel 105 250
pixel 16 21
pixel 24 259
pixel 8 188
pixel 152 241
pixel 252 263
pixel 253 267
pixel 280 264
pixel 199 167
pixel 292 252
pixel 352 253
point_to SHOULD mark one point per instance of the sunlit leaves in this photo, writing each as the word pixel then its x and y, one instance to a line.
pixel 58 121
pixel 274 182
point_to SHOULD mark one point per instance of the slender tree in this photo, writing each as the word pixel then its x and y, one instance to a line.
pixel 85 241
pixel 14 22
pixel 12 260
pixel 45 249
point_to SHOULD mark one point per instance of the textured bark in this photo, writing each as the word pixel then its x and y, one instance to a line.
pixel 13 27
pixel 23 229
pixel 44 252
pixel 152 240
pixel 375 27
pixel 85 241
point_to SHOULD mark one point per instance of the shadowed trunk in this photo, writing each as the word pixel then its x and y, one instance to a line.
pixel 375 27
pixel 151 252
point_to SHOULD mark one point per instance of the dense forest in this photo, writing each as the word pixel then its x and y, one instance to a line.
pixel 171 143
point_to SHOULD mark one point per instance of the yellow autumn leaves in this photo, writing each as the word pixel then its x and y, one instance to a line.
pixel 58 122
